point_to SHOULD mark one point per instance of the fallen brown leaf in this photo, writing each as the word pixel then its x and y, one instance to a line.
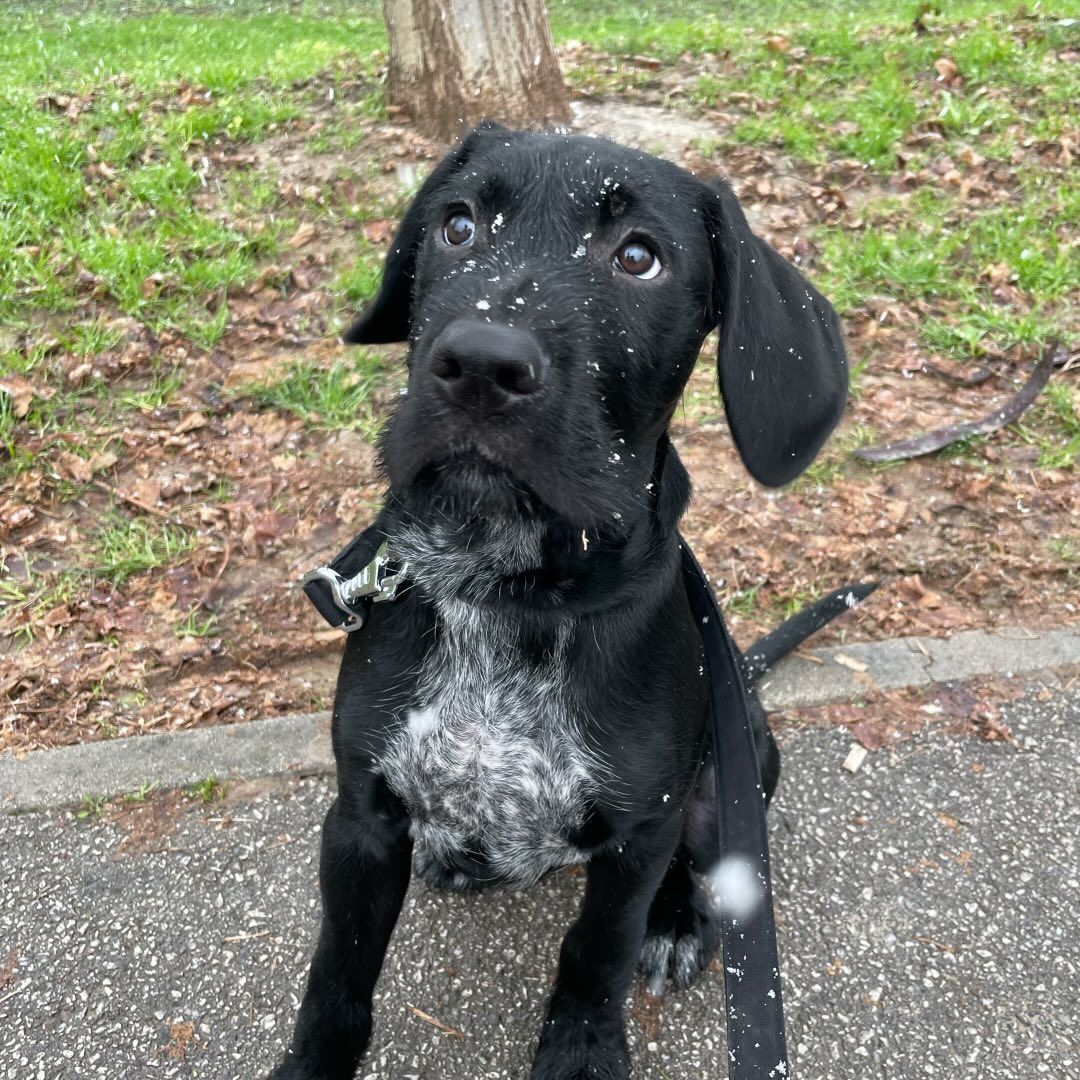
pixel 303 235
pixel 21 391
pixel 104 459
pixel 946 68
pixel 646 1009
pixel 151 284
pixel 72 467
pixel 180 1034
pixel 191 422
pixel 379 231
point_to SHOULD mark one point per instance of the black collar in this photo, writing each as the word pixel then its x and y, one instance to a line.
pixel 361 574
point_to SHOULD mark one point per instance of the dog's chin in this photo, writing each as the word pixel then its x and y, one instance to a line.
pixel 468 486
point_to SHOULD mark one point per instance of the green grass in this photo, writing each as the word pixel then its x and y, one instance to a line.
pixel 853 82
pixel 936 247
pixel 790 604
pixel 1053 425
pixel 108 209
pixel 1065 550
pixel 196 625
pixel 860 84
pixel 92 806
pixel 141 793
pixel 835 459
pixel 108 194
pixel 332 398
pixel 358 283
pixel 27 597
pixel 742 601
pixel 157 394
pixel 124 547
pixel 91 338
pixel 207 791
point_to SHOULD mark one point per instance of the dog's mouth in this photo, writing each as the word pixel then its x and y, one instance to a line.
pixel 471 482
pixel 539 468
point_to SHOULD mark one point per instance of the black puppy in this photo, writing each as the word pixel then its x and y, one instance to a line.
pixel 536 697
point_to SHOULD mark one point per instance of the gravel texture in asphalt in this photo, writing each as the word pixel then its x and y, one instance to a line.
pixel 928 908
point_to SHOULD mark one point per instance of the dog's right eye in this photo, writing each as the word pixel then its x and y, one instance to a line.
pixel 459 230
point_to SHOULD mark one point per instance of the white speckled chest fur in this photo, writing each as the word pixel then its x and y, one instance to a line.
pixel 490 758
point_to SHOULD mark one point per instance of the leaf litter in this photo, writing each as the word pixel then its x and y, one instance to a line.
pixel 221 633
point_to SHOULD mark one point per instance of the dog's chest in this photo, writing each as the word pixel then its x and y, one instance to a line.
pixel 489 759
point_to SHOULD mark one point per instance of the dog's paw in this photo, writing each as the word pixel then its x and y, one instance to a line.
pixel 580 1049
pixel 290 1069
pixel 679 958
pixel 681 938
pixel 326 1059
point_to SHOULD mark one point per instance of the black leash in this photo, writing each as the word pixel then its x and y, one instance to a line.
pixel 361 574
pixel 757 1048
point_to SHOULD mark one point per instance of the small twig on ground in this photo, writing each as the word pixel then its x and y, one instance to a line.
pixel 978 376
pixel 1010 411
pixel 429 1019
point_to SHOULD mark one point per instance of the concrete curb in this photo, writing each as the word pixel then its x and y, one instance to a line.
pixel 848 672
pixel 48 779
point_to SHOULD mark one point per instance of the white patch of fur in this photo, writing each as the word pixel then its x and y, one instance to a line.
pixel 449 570
pixel 490 758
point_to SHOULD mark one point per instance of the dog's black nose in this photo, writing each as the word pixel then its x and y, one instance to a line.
pixel 487 367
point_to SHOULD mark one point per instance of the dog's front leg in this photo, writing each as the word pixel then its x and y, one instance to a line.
pixel 364 872
pixel 584 1035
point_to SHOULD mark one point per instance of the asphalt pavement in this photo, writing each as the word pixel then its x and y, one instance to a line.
pixel 928 910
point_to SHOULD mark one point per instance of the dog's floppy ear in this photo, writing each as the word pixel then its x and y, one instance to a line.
pixel 781 364
pixel 386 318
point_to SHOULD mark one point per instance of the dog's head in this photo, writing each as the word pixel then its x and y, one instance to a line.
pixel 555 290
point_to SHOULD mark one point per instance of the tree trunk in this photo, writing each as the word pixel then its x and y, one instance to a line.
pixel 456 62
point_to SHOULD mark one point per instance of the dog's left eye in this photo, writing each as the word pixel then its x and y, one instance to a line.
pixel 459 229
pixel 638 260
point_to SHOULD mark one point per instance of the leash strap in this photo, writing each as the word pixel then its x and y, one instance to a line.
pixel 757 1047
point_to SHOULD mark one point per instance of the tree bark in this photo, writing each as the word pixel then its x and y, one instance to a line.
pixel 456 62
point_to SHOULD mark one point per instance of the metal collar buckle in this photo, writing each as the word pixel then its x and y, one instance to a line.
pixel 377 582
